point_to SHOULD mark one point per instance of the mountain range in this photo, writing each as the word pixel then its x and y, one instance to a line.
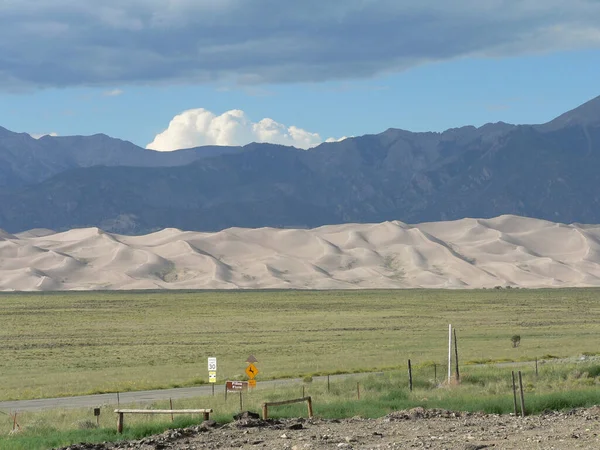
pixel 547 171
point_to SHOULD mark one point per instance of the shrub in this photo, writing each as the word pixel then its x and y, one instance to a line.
pixel 516 340
pixel 85 424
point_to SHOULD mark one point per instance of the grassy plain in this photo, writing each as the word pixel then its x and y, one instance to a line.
pixel 56 344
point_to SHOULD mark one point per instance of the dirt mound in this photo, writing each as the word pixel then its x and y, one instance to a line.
pixel 416 428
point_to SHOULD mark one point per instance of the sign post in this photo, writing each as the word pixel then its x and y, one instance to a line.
pixel 251 371
pixel 236 386
pixel 212 364
pixel 212 372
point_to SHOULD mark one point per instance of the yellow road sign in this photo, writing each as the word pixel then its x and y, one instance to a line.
pixel 251 384
pixel 251 371
pixel 212 377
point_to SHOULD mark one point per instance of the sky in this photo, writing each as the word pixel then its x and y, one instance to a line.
pixel 169 74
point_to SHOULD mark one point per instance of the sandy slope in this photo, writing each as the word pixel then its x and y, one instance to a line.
pixel 468 253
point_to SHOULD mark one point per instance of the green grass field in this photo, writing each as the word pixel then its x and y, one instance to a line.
pixel 57 344
pixel 559 385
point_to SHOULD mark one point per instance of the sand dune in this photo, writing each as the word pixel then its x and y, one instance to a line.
pixel 469 253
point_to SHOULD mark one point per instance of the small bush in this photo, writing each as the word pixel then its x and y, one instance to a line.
pixel 85 424
pixel 593 371
pixel 39 426
pixel 516 340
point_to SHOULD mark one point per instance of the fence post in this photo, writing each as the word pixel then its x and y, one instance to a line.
pixel 522 395
pixel 514 388
pixel 449 353
pixel 410 384
pixel 120 423
pixel 265 411
pixel 310 408
pixel 456 356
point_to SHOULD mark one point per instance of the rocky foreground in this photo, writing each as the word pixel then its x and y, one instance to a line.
pixel 417 428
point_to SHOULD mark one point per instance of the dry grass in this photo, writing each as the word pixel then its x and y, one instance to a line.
pixel 559 385
pixel 74 343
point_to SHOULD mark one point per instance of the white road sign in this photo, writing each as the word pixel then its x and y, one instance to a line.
pixel 212 364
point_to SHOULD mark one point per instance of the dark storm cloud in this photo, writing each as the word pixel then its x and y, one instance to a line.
pixel 45 43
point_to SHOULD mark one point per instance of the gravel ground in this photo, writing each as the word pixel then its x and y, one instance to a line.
pixel 416 428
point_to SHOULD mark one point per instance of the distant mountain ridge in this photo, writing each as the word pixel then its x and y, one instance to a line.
pixel 547 171
pixel 25 160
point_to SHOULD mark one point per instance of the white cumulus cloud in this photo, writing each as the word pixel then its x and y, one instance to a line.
pixel 197 127
pixel 343 138
pixel 40 135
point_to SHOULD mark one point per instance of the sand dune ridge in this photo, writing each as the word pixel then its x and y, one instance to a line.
pixel 469 253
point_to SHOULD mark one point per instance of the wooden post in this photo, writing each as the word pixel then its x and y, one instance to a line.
pixel 358 390
pixel 514 387
pixel 536 367
pixel 120 423
pixel 118 401
pixel 171 403
pixel 449 353
pixel 206 415
pixel 522 396
pixel 435 373
pixel 265 411
pixel 308 400
pixel 302 391
pixel 327 383
pixel 225 391
pixel 241 402
pixel 409 376
pixel 456 356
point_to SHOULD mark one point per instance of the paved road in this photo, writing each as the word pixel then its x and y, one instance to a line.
pixel 91 401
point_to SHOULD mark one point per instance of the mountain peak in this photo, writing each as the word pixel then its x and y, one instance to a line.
pixel 586 114
pixel 5 132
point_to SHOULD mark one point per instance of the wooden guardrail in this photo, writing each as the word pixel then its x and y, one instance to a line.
pixel 120 420
pixel 308 400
